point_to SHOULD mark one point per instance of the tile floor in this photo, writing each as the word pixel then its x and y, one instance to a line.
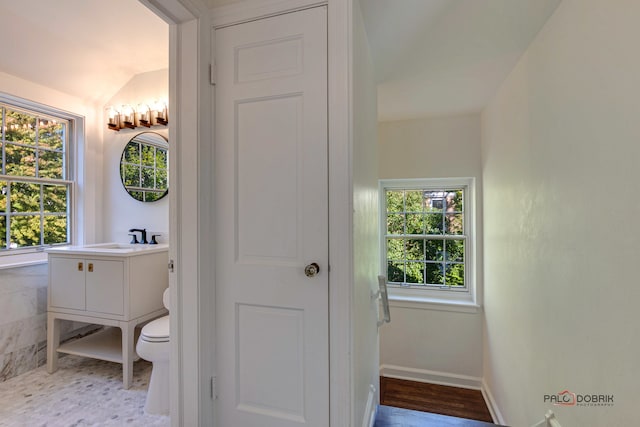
pixel 83 392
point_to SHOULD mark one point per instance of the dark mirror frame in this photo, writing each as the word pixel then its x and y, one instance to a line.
pixel 144 167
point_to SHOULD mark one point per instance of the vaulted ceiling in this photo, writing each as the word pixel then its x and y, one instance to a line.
pixel 431 57
pixel 87 48
pixel 438 57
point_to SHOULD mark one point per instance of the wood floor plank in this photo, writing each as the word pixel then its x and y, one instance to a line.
pixel 433 398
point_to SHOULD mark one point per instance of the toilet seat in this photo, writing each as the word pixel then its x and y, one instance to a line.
pixel 156 331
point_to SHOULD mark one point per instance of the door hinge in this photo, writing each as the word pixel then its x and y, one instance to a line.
pixel 170 266
pixel 213 388
pixel 212 74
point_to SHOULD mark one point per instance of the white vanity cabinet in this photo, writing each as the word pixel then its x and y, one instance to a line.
pixel 115 285
pixel 94 285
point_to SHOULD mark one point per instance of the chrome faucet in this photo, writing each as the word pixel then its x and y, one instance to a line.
pixel 143 234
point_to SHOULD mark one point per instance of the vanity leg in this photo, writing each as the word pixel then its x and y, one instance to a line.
pixel 128 353
pixel 53 341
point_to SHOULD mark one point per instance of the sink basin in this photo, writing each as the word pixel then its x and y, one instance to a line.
pixel 111 248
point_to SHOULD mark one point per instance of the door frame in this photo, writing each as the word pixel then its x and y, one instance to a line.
pixel 191 230
pixel 190 209
pixel 339 22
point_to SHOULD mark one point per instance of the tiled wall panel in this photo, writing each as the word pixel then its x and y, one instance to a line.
pixel 23 320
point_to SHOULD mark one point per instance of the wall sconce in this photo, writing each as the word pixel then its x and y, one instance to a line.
pixel 128 117
pixel 142 115
pixel 113 119
pixel 160 113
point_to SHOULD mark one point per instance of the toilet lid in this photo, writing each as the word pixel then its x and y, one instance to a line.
pixel 158 330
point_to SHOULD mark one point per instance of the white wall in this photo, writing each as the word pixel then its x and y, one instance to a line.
pixel 90 149
pixel 121 211
pixel 365 226
pixel 422 343
pixel 561 148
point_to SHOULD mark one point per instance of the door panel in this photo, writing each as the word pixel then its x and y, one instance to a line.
pixel 272 342
pixel 268 138
pixel 269 59
pixel 280 330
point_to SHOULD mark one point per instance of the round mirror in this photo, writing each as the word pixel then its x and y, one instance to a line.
pixel 144 167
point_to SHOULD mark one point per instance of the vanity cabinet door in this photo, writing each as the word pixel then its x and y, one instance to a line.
pixel 105 286
pixel 66 283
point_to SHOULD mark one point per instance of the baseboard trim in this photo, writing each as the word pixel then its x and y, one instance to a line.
pixel 432 377
pixel 491 404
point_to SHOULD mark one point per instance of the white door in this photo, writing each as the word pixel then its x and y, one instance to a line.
pixel 272 342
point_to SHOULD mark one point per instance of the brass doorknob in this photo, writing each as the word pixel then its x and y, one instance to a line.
pixel 312 269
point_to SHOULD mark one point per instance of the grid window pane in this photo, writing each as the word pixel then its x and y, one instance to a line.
pixel 25 197
pixel 20 127
pixel 131 175
pixel 414 250
pixel 20 161
pixel 395 224
pixel 434 250
pixel 434 274
pixel 454 223
pixel 395 271
pixel 51 134
pixel 454 250
pixel 433 223
pixel 413 201
pixel 132 153
pixel 34 193
pixel 414 272
pixel 395 201
pixel 55 229
pixel 50 164
pixel 152 196
pixel 161 157
pixel 454 201
pixel 162 183
pixel 433 200
pixel 54 198
pixel 148 178
pixel 455 275
pixel 415 223
pixel 395 249
pixel 425 242
pixel 148 155
pixel 25 231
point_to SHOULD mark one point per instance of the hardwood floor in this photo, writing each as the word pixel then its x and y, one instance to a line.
pixel 436 399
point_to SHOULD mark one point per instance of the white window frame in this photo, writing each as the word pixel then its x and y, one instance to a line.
pixel 75 131
pixel 409 296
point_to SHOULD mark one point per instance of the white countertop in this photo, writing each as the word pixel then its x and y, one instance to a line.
pixel 110 249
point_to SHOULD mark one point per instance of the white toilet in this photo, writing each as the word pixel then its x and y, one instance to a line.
pixel 153 345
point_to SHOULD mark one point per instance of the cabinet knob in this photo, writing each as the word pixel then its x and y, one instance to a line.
pixel 90 267
pixel 80 266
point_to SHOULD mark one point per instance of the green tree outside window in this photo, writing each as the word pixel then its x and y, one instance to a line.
pixel 34 191
pixel 425 241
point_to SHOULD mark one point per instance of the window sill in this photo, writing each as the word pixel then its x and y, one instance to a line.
pixel 433 304
pixel 22 260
